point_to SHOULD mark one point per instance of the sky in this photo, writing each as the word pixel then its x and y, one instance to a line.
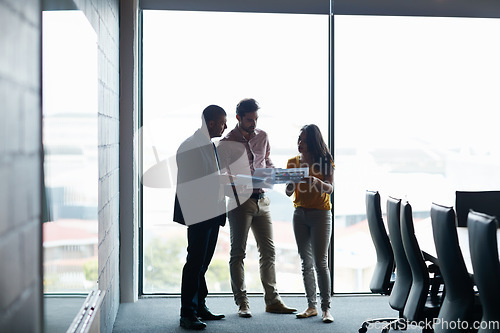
pixel 69 63
pixel 400 82
pixel 421 83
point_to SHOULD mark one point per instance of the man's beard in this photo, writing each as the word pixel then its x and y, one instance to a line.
pixel 249 130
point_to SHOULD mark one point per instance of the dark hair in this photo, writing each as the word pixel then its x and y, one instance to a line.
pixel 213 112
pixel 318 149
pixel 246 105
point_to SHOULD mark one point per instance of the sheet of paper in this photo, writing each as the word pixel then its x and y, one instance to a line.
pixel 261 181
pixel 281 176
pixel 293 175
pixel 268 177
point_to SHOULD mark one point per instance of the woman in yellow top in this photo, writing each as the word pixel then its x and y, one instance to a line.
pixel 312 219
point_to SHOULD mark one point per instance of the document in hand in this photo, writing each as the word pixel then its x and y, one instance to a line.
pixel 262 178
pixel 267 177
pixel 293 175
pixel 281 176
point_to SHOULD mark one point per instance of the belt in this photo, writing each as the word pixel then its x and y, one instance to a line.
pixel 257 196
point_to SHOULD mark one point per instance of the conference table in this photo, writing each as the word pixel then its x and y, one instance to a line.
pixel 423 232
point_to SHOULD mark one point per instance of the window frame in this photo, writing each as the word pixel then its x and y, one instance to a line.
pixel 435 8
pixel 260 6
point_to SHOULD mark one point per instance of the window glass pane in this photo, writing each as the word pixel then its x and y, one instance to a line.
pixel 70 145
pixel 193 59
pixel 416 117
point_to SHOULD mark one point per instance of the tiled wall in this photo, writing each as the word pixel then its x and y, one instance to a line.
pixel 104 17
pixel 20 161
pixel 20 172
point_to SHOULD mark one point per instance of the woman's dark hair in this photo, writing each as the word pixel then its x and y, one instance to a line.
pixel 318 149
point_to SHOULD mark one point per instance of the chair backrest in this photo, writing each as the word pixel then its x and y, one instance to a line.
pixel 487 202
pixel 381 278
pixel 414 307
pixel 402 285
pixel 459 297
pixel 484 255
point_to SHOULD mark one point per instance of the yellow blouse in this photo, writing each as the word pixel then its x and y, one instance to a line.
pixel 307 197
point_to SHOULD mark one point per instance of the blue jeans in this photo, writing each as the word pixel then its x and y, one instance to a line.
pixel 313 230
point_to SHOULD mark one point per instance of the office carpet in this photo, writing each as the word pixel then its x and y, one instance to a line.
pixel 161 314
pixel 59 312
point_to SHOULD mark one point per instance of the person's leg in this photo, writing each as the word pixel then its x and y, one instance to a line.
pixel 321 231
pixel 240 220
pixel 196 250
pixel 303 238
pixel 262 229
pixel 212 236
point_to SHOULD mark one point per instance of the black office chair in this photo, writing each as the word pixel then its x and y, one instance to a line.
pixel 487 202
pixel 402 285
pixel 381 279
pixel 484 255
pixel 381 282
pixel 419 308
pixel 458 303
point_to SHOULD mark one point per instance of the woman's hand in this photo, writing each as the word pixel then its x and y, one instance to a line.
pixel 318 184
pixel 312 181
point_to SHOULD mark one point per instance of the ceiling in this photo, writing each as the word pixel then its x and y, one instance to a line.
pixel 444 8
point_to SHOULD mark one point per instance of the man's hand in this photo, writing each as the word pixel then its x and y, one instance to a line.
pixel 290 188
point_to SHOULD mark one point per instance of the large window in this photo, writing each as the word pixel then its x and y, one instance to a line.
pixel 70 146
pixel 193 59
pixel 416 117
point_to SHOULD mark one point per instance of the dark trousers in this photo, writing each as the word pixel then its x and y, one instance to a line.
pixel 202 239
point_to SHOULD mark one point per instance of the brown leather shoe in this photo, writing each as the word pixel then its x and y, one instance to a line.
pixel 244 311
pixel 327 317
pixel 309 312
pixel 279 307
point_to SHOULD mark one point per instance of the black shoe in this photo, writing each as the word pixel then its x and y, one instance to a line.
pixel 192 323
pixel 205 314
